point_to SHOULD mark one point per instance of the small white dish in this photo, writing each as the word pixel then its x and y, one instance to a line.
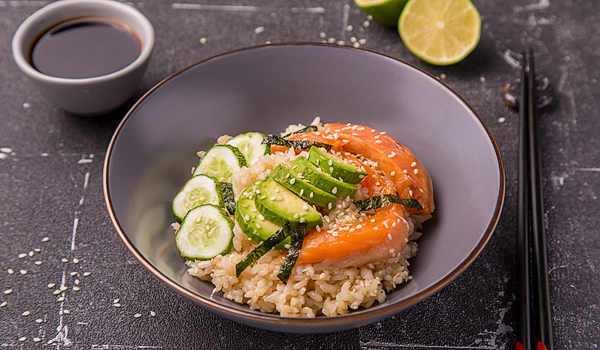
pixel 84 96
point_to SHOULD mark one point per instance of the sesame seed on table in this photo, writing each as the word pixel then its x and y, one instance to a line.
pixel 68 281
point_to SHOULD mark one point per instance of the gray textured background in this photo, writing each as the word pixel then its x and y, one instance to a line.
pixel 51 186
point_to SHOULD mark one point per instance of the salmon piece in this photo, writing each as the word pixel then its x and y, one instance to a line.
pixel 398 163
pixel 380 237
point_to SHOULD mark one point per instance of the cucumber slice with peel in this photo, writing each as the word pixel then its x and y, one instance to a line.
pixel 200 189
pixel 221 162
pixel 206 231
pixel 251 146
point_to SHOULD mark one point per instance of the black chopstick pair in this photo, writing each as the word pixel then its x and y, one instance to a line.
pixel 534 323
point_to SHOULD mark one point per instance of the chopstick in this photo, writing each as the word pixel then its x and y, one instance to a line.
pixel 530 224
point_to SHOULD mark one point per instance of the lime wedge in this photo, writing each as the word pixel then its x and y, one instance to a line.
pixel 440 32
pixel 383 11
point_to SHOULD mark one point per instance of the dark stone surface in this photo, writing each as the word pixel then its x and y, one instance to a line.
pixel 51 186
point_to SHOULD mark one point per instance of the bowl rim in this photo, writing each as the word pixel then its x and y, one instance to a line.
pixel 314 325
pixel 19 44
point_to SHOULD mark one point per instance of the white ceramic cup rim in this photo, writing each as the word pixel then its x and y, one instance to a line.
pixel 21 45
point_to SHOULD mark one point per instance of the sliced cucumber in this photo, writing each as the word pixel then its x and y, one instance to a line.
pixel 288 179
pixel 335 167
pixel 221 162
pixel 200 189
pixel 251 146
pixel 318 178
pixel 278 204
pixel 206 231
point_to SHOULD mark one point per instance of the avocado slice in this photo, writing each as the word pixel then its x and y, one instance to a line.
pixel 252 223
pixel 318 178
pixel 335 166
pixel 278 205
pixel 290 180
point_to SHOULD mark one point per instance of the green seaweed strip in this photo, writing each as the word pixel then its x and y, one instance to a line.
pixel 309 128
pixel 297 144
pixel 385 200
pixel 290 259
pixel 263 248
pixel 228 197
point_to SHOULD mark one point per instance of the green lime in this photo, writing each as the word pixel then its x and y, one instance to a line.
pixel 440 32
pixel 383 11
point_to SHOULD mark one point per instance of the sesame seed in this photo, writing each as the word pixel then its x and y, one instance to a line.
pixel 312 194
pixel 349 28
pixel 318 228
pixel 73 273
pixel 4 303
pixel 331 169
pixel 22 255
pixel 292 181
pixel 64 260
pixel 23 272
pixel 302 220
pixel 39 320
pixel 63 288
pixel 51 285
pixel 334 234
pixel 366 24
pixel 258 225
pixel 117 305
pixel 31 253
pixel 328 205
pixel 36 339
pixel 301 191
pixel 56 292
pixel 75 261
pixel 22 338
pixel 86 273
pixel 76 281
pixel 8 291
pixel 75 288
pixel 137 315
pixel 203 40
pixel 10 271
pixel 359 226
pixel 152 313
pixel 296 216
pixel 413 164
pixel 390 236
pixel 39 262
pixel 247 217
pixel 334 191
pixel 378 141
pixel 392 155
pixel 60 299
pixel 26 313
pixel 392 173
pixel 376 228
pixel 394 224
pixel 416 171
pixel 67 312
pixel 45 239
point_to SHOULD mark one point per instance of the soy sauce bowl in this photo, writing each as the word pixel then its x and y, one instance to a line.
pixel 95 95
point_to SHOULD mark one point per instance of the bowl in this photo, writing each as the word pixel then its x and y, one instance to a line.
pixel 265 88
pixel 84 96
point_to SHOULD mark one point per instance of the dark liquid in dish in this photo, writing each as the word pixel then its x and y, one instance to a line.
pixel 85 47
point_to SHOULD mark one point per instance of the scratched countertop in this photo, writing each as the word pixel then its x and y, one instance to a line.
pixel 67 281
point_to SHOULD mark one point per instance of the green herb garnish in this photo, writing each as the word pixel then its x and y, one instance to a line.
pixel 309 128
pixel 290 259
pixel 385 200
pixel 297 144
pixel 228 197
pixel 263 248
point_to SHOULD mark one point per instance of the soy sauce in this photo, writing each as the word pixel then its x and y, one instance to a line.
pixel 85 47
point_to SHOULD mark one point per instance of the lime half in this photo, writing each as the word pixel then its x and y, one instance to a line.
pixel 383 11
pixel 440 32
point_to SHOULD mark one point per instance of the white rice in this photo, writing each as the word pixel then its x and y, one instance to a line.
pixel 313 289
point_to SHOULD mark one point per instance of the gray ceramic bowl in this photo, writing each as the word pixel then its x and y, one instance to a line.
pixel 265 88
